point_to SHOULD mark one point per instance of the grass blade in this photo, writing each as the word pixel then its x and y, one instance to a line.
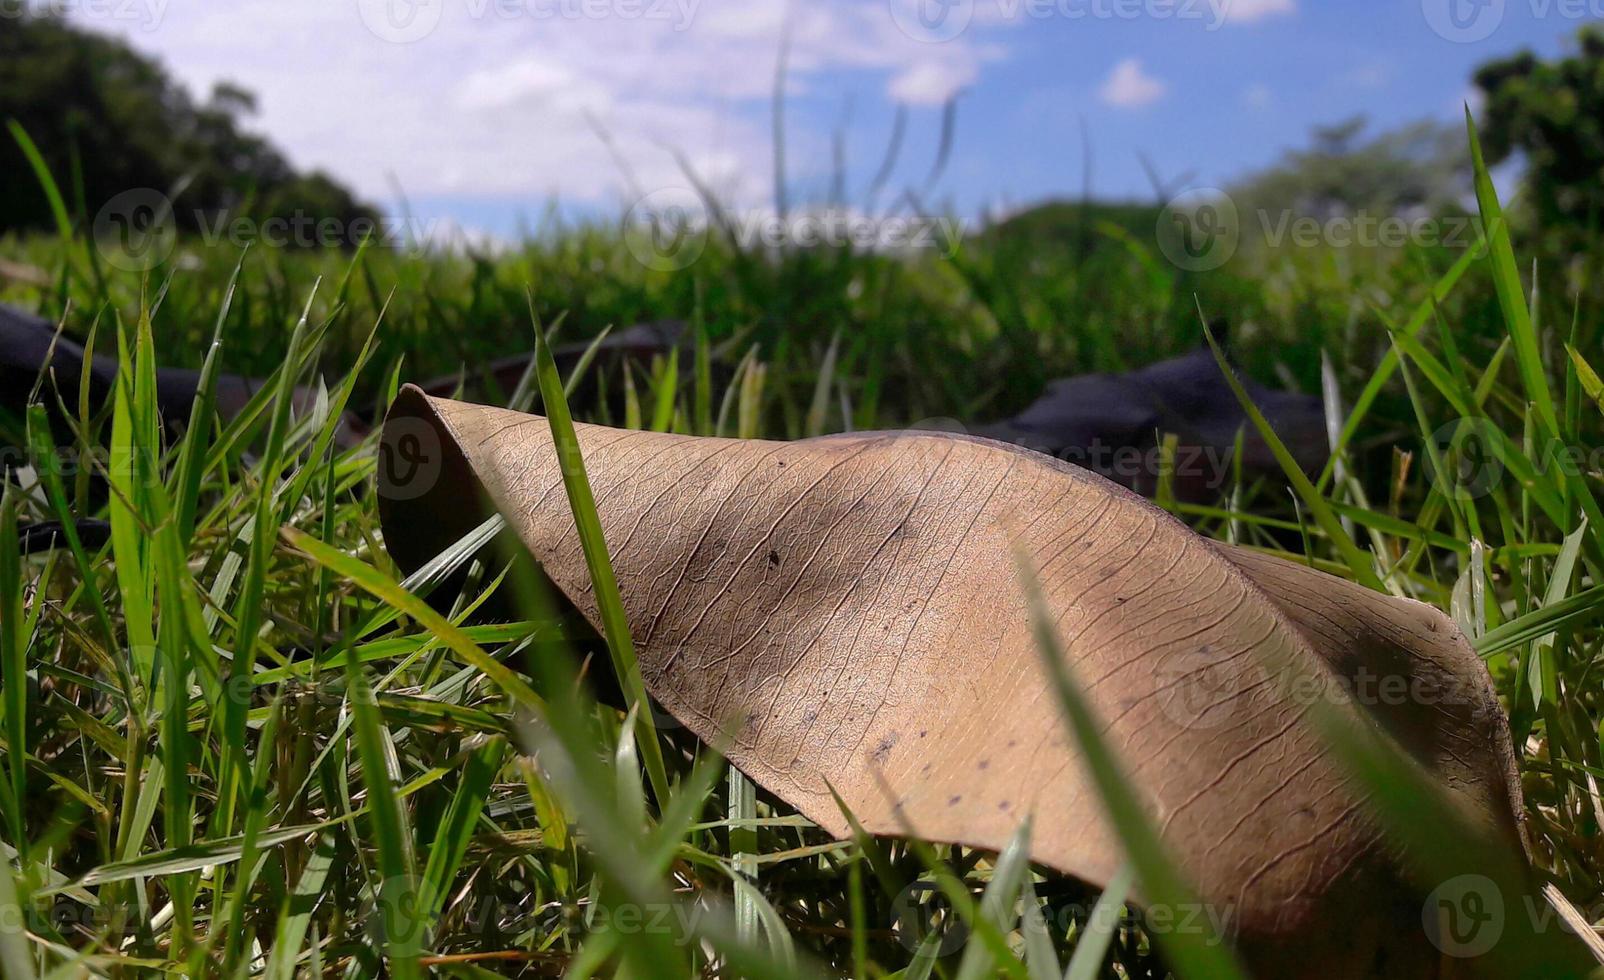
pixel 295 913
pixel 1193 954
pixel 41 170
pixel 450 844
pixel 615 624
pixel 386 589
pixel 1008 878
pixel 14 671
pixel 1359 563
pixel 15 956
pixel 402 917
pixel 1092 947
pixel 1566 613
pixel 1511 295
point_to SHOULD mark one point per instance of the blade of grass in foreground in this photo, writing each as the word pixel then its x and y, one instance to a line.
pixel 1358 561
pixel 1422 315
pixel 267 748
pixel 1193 954
pixel 181 642
pixel 1568 612
pixel 195 857
pixel 743 848
pixel 295 912
pixel 388 591
pixel 227 850
pixel 950 884
pixel 1444 847
pixel 1511 295
pixel 450 844
pixel 13 671
pixel 15 956
pixel 1041 956
pixel 128 475
pixel 1008 877
pixel 41 170
pixel 665 392
pixel 615 624
pixel 1091 946
pixel 187 478
pixel 249 608
pixel 1518 321
pixel 400 913
pixel 566 752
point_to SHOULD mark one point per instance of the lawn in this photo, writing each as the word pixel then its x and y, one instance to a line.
pixel 237 744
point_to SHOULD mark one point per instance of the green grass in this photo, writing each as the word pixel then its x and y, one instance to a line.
pixel 237 742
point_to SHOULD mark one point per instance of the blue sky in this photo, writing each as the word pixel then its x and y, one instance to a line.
pixel 485 111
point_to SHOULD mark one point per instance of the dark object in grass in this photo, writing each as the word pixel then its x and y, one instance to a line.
pixel 1113 423
pixel 31 347
pixel 47 536
pixel 1108 423
pixel 497 380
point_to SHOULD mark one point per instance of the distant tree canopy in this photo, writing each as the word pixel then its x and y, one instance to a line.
pixel 1422 167
pixel 107 120
pixel 1548 114
pixel 1552 113
pixel 1073 224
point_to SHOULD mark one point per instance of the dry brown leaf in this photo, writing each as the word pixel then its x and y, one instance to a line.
pixel 850 607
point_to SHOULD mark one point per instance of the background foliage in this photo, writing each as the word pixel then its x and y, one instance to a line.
pixel 109 120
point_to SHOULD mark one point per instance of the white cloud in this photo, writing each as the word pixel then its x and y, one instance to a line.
pixel 1258 96
pixel 1372 75
pixel 494 100
pixel 1248 11
pixel 1129 86
pixel 930 82
pixel 528 80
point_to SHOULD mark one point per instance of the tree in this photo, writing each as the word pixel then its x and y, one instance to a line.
pixel 107 119
pixel 1420 168
pixel 1552 114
